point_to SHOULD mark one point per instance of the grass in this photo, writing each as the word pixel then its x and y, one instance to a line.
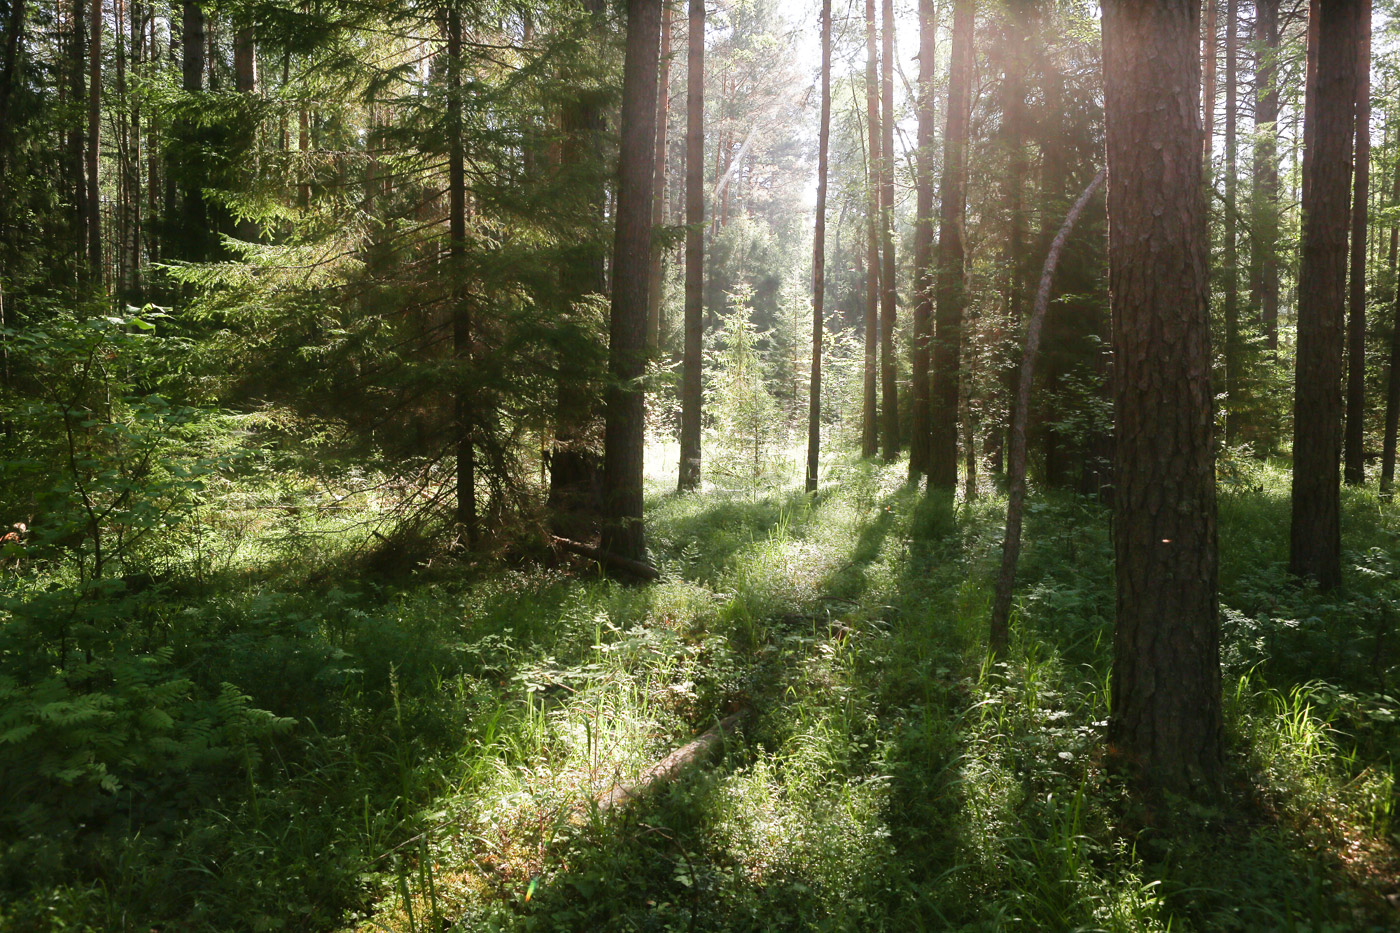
pixel 448 726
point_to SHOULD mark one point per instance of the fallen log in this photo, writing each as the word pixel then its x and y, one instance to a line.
pixel 669 768
pixel 634 567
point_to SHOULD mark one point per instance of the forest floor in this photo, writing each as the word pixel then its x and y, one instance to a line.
pixel 433 734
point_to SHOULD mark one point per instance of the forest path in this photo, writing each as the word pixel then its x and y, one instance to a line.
pixel 887 778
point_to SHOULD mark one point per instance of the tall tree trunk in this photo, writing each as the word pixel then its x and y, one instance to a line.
pixel 575 461
pixel 14 38
pixel 76 165
pixel 245 81
pixel 1209 55
pixel 1166 723
pixel 194 215
pixel 658 209
pixel 1392 394
pixel 624 430
pixel 1310 95
pixel 951 292
pixel 1000 635
pixel 1231 223
pixel 1263 256
pixel 870 433
pixel 138 54
pixel 691 397
pixel 889 441
pixel 1023 18
pixel 463 415
pixel 245 69
pixel 920 437
pixel 1354 471
pixel 94 146
pixel 1315 550
pixel 814 395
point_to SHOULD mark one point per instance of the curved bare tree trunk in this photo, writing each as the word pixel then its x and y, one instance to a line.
pixel 1016 462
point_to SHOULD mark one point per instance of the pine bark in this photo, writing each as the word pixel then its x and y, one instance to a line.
pixel 889 433
pixel 658 210
pixel 576 462
pixel 1354 454
pixel 624 427
pixel 814 396
pixel 76 166
pixel 1263 257
pixel 461 311
pixel 691 398
pixel 1309 95
pixel 193 214
pixel 1166 722
pixel 870 433
pixel 1209 58
pixel 1231 226
pixel 924 274
pixel 1315 531
pixel 1392 394
pixel 94 145
pixel 951 295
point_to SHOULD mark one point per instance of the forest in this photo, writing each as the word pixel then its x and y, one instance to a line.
pixel 699 465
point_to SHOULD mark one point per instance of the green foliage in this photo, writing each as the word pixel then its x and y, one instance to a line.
pixel 747 422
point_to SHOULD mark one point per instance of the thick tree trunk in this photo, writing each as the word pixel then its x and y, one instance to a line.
pixel 245 81
pixel 889 440
pixel 1354 470
pixel 14 36
pixel 951 286
pixel 814 395
pixel 1263 257
pixel 658 209
pixel 1016 462
pixel 245 69
pixel 1166 722
pixel 1231 224
pixel 691 398
pixel 923 245
pixel 463 420
pixel 1392 394
pixel 1317 407
pixel 870 433
pixel 1209 55
pixel 575 461
pixel 624 429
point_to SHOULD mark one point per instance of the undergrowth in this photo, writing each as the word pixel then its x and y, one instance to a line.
pixel 268 735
